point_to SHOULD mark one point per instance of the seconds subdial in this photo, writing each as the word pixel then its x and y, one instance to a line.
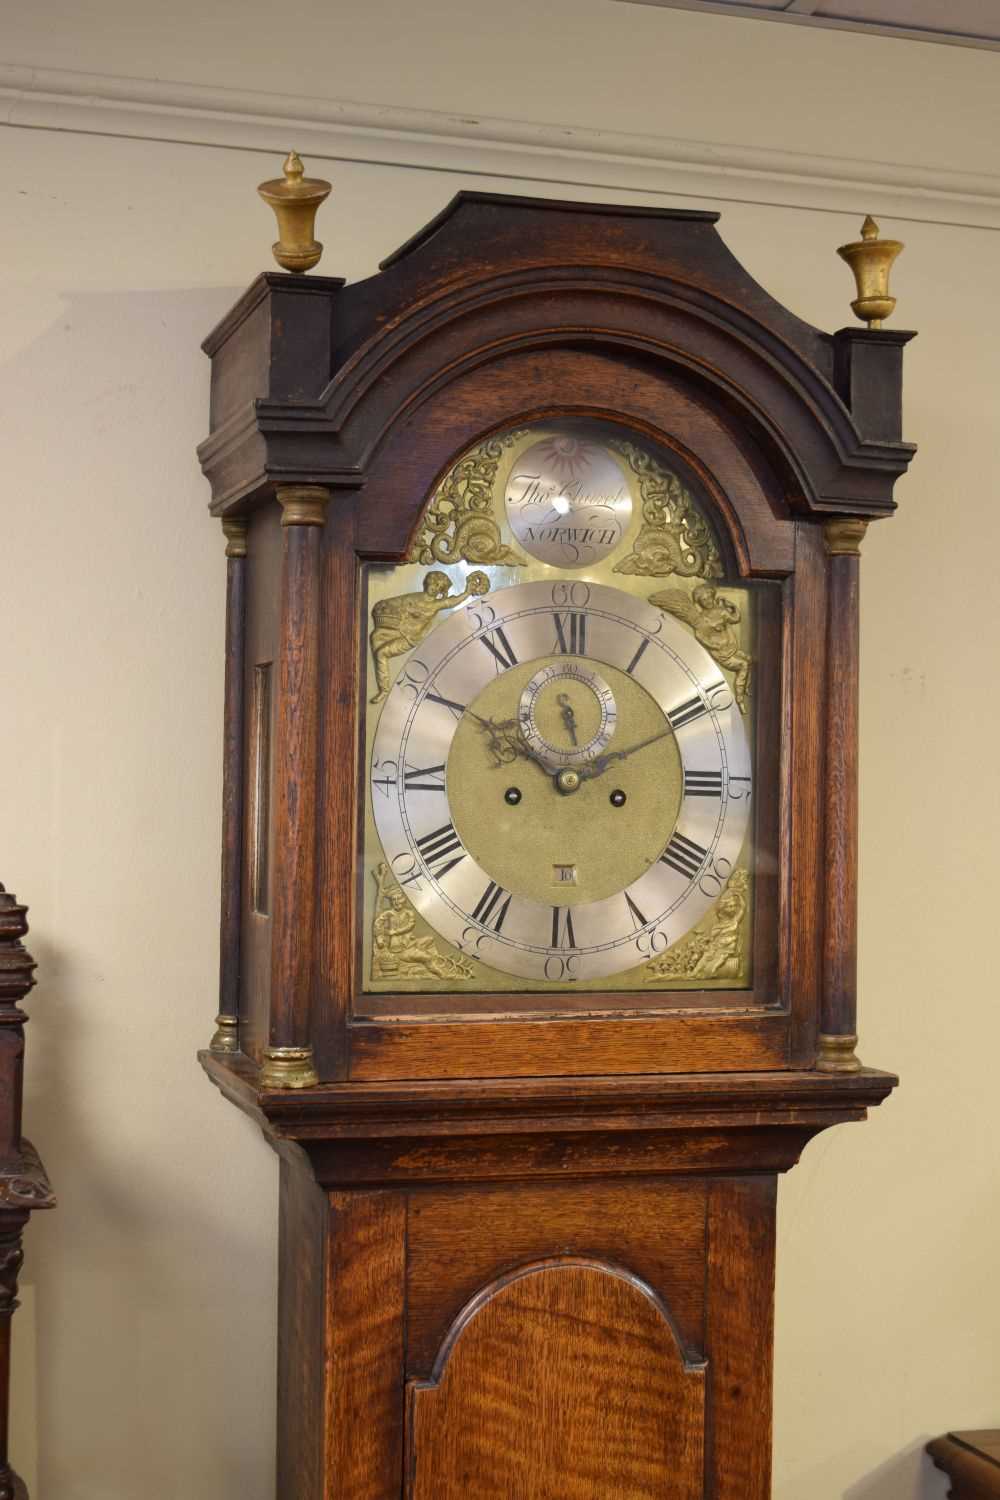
pixel 567 714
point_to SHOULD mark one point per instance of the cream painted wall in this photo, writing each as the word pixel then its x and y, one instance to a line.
pixel 145 1343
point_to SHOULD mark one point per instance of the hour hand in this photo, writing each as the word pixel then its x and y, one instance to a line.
pixel 505 742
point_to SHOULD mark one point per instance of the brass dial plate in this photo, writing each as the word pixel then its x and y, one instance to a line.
pixel 508 928
pixel 466 555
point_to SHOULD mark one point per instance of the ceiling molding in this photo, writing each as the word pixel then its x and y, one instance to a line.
pixel 801 13
pixel 504 150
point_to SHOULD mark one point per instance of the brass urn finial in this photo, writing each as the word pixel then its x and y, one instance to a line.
pixel 871 261
pixel 295 199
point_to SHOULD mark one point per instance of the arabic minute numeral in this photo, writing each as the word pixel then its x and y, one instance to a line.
pixel 703 783
pixel 719 697
pixel 715 877
pixel 437 847
pixel 413 677
pixel 384 774
pixel 684 855
pixel 651 944
pixel 575 595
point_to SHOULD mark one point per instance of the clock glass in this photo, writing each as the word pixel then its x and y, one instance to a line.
pixel 567 784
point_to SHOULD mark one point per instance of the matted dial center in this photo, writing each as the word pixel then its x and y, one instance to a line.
pixel 545 844
pixel 567 714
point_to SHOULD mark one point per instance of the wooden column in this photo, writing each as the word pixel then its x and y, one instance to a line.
pixel 227 1036
pixel 289 1059
pixel 838 1021
pixel 17 969
pixel 11 1260
pixel 24 1186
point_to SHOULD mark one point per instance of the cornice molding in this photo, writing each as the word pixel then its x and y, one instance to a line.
pixel 523 151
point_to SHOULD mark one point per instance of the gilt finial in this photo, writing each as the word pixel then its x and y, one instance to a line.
pixel 295 199
pixel 871 261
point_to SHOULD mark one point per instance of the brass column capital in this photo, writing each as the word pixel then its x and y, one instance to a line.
pixel 235 530
pixel 843 536
pixel 303 504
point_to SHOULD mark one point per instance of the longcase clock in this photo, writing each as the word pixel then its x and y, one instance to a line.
pixel 538 941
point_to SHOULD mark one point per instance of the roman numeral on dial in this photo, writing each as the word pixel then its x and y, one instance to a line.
pixel 458 709
pixel 437 848
pixel 562 928
pixel 686 713
pixel 491 908
pixel 703 783
pixel 500 648
pixel 684 855
pixel 638 920
pixel 571 633
pixel 423 778
pixel 638 656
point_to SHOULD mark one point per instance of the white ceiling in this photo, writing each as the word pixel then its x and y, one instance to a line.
pixel 964 23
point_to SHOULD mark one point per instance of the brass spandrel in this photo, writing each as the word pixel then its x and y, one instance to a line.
pixel 674 537
pixel 715 620
pixel 399 951
pixel 717 948
pixel 460 523
pixel 401 622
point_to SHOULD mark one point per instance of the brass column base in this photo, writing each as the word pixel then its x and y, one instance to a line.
pixel 836 1054
pixel 288 1068
pixel 226 1037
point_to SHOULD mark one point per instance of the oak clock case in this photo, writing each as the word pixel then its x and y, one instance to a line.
pixel 559 780
pixel 539 840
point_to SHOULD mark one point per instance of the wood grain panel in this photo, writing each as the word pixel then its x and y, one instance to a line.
pixel 510 1049
pixel 740 1317
pixel 365 1316
pixel 293 796
pixel 657 1229
pixel 302 1228
pixel 562 1382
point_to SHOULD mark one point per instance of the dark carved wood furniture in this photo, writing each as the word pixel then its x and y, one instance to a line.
pixel 972 1462
pixel 24 1187
pixel 527 1241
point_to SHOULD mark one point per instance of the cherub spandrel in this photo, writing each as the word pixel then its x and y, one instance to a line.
pixel 715 621
pixel 400 623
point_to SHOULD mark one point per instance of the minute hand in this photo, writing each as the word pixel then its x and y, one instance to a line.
pixel 600 763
